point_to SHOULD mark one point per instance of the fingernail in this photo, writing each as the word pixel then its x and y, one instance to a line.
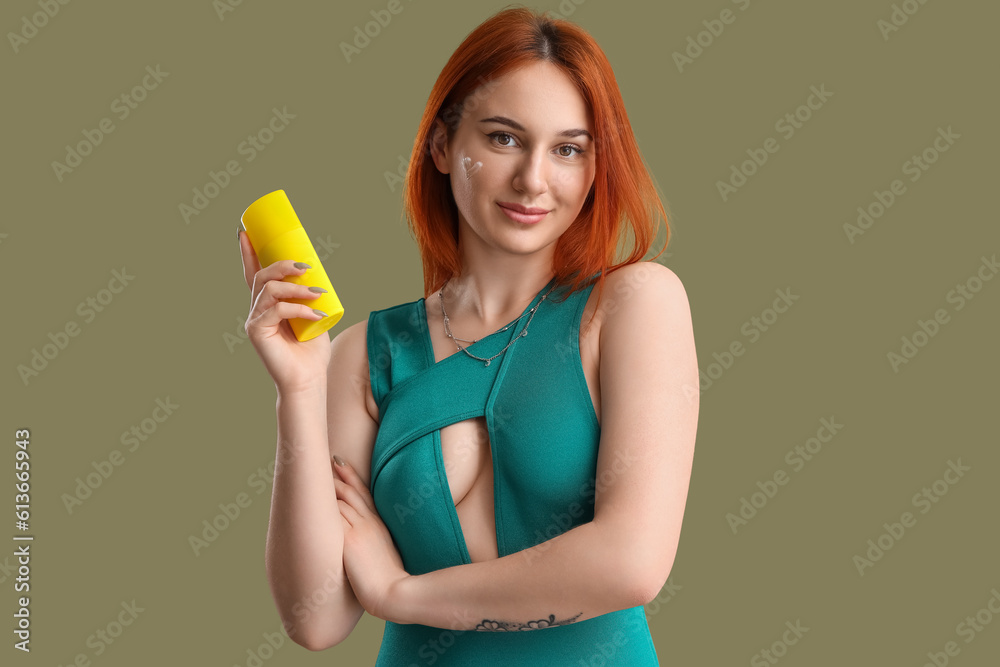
pixel 316 289
pixel 320 312
pixel 339 461
pixel 302 265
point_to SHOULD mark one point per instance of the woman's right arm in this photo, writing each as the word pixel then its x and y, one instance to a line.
pixel 305 539
pixel 322 410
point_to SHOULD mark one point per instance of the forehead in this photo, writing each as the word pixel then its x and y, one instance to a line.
pixel 540 96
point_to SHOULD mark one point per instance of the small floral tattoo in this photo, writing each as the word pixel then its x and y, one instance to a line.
pixel 506 626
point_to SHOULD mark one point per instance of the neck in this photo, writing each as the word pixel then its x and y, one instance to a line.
pixel 495 285
pixel 483 300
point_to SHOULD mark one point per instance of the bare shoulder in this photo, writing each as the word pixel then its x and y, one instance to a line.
pixel 633 289
pixel 351 339
pixel 648 328
pixel 642 272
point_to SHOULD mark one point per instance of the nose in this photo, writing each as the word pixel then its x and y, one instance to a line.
pixel 532 174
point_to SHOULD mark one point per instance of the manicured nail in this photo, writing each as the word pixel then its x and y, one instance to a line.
pixel 302 265
pixel 320 312
pixel 338 460
pixel 316 289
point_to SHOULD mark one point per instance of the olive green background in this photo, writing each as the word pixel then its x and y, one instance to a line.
pixel 174 330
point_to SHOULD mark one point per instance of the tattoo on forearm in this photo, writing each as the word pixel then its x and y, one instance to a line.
pixel 506 626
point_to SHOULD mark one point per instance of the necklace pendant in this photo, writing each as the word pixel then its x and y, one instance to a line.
pixel 488 362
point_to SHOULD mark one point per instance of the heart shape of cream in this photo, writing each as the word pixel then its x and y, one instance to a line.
pixel 470 168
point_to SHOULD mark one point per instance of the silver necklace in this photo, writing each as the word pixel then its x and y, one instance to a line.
pixel 524 331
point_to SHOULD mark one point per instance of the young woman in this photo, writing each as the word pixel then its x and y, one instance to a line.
pixel 496 497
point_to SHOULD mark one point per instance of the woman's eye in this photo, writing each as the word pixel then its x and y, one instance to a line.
pixel 502 138
pixel 497 135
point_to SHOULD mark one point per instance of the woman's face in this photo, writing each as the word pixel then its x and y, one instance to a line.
pixel 524 139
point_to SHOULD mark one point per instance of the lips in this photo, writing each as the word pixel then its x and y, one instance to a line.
pixel 523 209
pixel 517 214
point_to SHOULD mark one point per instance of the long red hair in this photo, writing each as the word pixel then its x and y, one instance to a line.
pixel 623 196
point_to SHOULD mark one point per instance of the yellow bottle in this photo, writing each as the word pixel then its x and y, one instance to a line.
pixel 275 234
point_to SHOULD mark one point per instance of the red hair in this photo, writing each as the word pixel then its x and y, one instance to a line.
pixel 623 195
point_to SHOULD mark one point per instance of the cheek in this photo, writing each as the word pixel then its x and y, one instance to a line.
pixel 468 180
pixel 573 184
pixel 471 167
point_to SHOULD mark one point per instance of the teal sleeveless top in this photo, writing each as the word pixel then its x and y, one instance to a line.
pixel 544 436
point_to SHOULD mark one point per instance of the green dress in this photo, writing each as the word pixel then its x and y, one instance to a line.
pixel 544 436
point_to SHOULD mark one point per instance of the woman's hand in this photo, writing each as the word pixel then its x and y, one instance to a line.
pixel 294 365
pixel 373 565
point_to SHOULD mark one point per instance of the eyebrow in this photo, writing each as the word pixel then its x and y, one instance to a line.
pixel 503 120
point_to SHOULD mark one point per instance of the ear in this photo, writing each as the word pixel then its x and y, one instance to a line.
pixel 439 146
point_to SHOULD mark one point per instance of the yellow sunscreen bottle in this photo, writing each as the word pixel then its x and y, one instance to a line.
pixel 275 234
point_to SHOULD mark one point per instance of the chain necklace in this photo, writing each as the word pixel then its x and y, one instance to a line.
pixel 524 331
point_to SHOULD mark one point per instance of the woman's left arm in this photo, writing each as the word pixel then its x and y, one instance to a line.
pixel 649 414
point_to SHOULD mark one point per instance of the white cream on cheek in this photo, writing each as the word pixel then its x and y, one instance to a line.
pixel 466 184
pixel 471 168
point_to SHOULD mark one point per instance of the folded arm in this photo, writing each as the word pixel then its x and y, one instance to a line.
pixel 622 558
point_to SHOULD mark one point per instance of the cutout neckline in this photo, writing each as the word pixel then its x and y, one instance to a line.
pixel 429 342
